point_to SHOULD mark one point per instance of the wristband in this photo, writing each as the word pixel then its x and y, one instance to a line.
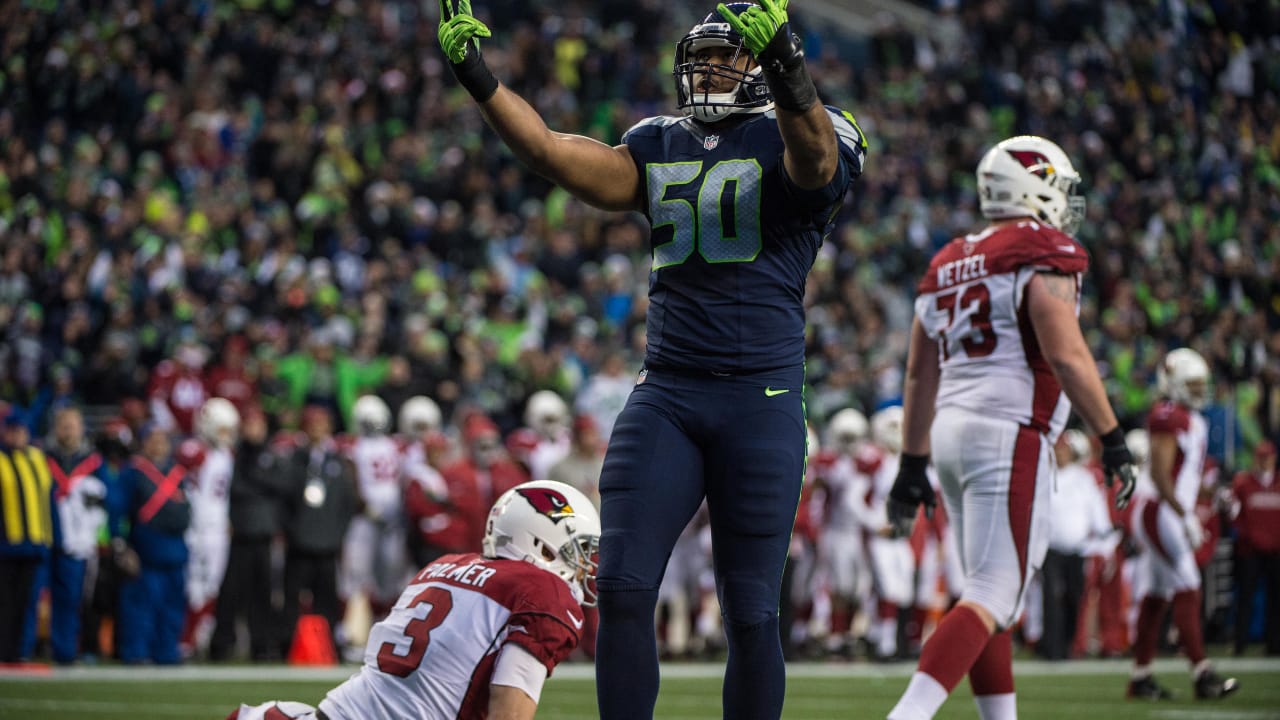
pixel 913 463
pixel 786 74
pixel 475 77
pixel 1113 438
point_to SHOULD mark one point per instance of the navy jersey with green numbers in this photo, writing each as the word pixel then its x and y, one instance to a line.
pixel 732 239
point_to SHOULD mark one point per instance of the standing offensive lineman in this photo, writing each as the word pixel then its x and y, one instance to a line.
pixel 995 344
pixel 739 193
pixel 476 636
pixel 1169 532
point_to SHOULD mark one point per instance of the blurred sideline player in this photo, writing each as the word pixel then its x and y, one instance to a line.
pixel 547 414
pixel 893 564
pixel 739 193
pixel 476 636
pixel 374 562
pixel 996 352
pixel 210 460
pixel 841 557
pixel 1169 532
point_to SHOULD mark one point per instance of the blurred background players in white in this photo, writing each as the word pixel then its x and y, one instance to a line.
pixel 374 562
pixel 1080 527
pixel 547 414
pixel 893 565
pixel 841 556
pixel 1169 531
pixel 210 459
pixel 477 635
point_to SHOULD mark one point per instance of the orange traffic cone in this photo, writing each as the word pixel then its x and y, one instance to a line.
pixel 312 642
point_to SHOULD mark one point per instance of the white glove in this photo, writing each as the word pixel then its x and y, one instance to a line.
pixel 1195 533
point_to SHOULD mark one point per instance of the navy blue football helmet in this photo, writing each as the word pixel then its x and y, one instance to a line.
pixel 750 95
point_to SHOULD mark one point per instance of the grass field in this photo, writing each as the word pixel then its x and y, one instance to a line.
pixel 815 691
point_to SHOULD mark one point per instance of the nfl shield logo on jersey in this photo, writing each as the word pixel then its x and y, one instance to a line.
pixel 710 142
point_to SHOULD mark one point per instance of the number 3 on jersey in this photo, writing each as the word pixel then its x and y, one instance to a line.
pixel 439 604
pixel 968 312
pixel 724 224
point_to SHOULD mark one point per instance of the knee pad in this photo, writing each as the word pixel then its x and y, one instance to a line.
pixel 627 604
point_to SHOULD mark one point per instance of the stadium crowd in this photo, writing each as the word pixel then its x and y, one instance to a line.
pixel 290 205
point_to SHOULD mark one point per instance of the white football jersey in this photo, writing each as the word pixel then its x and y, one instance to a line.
pixel 377 462
pixel 971 302
pixel 846 506
pixel 1192 433
pixel 210 493
pixel 882 473
pixel 434 655
pixel 548 452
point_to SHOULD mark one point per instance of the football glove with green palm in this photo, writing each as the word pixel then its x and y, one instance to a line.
pixel 459 35
pixel 766 32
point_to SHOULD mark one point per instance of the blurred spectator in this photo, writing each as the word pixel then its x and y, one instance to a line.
pixel 1081 527
pixel 26 494
pixel 1256 506
pixel 476 479
pixel 80 514
pixel 320 503
pixel 112 441
pixel 152 519
pixel 605 392
pixel 581 467
pixel 177 389
pixel 259 486
pixel 231 378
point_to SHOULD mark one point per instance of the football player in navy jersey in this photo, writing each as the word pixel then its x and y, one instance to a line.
pixel 740 191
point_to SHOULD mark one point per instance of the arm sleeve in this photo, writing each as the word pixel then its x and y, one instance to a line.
pixel 518 668
pixel 543 635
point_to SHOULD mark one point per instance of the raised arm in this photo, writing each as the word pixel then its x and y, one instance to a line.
pixel 591 171
pixel 811 156
pixel 1051 299
pixel 595 173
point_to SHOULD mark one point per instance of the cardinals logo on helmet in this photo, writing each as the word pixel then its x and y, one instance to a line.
pixel 1035 163
pixel 548 502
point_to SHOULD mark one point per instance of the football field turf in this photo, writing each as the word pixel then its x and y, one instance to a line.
pixel 1092 690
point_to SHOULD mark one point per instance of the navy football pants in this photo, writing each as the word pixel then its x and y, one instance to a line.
pixel 740 442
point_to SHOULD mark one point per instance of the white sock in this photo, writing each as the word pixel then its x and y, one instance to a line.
pixel 922 699
pixel 1201 668
pixel 997 707
pixel 887 636
pixel 1140 672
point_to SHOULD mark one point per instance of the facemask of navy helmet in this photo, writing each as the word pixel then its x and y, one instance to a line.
pixel 748 94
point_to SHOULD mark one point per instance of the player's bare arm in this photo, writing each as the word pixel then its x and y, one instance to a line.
pixel 911 488
pixel 1164 455
pixel 510 703
pixel 1052 308
pixel 811 156
pixel 919 391
pixel 576 163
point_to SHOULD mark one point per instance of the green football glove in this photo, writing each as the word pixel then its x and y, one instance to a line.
pixel 758 24
pixel 460 34
pixel 459 30
pixel 766 32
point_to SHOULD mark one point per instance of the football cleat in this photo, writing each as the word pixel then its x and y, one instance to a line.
pixel 1147 689
pixel 1210 686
